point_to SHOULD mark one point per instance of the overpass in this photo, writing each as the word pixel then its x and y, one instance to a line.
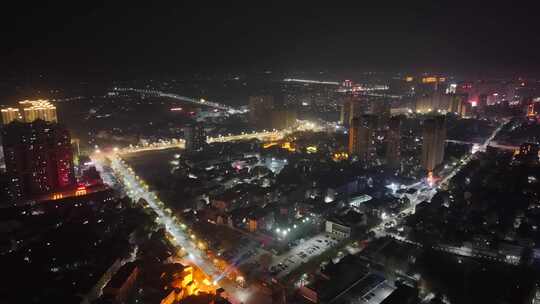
pixel 492 144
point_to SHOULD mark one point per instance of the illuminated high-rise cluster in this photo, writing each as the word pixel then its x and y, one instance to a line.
pixel 38 109
pixel 38 157
pixel 10 114
pixel 29 111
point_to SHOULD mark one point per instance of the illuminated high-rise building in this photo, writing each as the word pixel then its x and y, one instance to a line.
pixel 350 108
pixel 259 108
pixel 529 153
pixel 282 119
pixel 455 105
pixel 433 102
pixel 481 105
pixel 75 146
pixel 346 113
pixel 459 105
pixel 361 138
pixel 195 137
pixel 429 84
pixel 38 109
pixel 434 133
pixel 10 114
pixel 393 139
pixel 38 156
pixel 381 108
pixel 29 111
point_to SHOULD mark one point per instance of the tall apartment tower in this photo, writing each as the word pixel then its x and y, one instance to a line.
pixel 282 119
pixel 393 146
pixel 195 137
pixel 29 111
pixel 351 107
pixel 38 109
pixel 259 108
pixel 38 156
pixel 434 133
pixel 10 114
pixel 361 137
pixel 347 108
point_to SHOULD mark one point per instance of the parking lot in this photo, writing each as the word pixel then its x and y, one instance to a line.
pixel 287 262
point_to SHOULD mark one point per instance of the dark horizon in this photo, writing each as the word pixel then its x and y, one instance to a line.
pixel 100 39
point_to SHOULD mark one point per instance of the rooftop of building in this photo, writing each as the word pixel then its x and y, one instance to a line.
pixel 371 290
pixel 336 279
pixel 348 218
pixel 403 294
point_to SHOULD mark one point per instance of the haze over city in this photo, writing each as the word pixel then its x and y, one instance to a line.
pixel 290 153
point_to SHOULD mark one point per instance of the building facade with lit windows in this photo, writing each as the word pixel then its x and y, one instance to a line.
pixel 361 138
pixel 393 143
pixel 350 108
pixel 459 105
pixel 10 114
pixel 38 157
pixel 29 111
pixel 195 137
pixel 434 137
pixel 38 109
pixel 282 119
pixel 259 108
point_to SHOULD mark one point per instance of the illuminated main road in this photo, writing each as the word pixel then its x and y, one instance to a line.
pixel 262 136
pixel 270 135
pixel 137 189
pixel 180 143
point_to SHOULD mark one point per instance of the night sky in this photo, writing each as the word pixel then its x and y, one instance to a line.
pixel 175 38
